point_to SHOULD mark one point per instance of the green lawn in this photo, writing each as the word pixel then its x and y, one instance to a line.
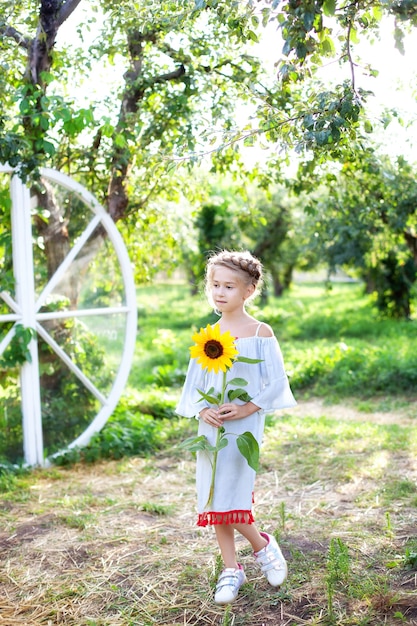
pixel 109 538
pixel 334 342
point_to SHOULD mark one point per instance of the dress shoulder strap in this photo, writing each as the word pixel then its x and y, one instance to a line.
pixel 258 329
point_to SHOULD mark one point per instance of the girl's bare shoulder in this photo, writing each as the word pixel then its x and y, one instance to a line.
pixel 265 330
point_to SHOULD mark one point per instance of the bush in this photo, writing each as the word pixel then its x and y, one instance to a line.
pixel 130 432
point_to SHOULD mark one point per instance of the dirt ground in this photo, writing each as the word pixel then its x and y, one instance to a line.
pixel 115 543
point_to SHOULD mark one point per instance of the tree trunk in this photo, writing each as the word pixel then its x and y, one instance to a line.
pixel 411 241
pixel 117 195
pixel 52 230
pixel 288 272
pixel 278 285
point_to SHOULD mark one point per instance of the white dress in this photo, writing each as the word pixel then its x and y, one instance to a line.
pixel 269 389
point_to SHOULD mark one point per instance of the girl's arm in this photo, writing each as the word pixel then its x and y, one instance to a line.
pixel 275 392
pixel 190 402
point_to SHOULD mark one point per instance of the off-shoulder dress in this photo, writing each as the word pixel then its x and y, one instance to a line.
pixel 269 388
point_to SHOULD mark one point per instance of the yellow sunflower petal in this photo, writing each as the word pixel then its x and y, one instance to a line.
pixel 213 350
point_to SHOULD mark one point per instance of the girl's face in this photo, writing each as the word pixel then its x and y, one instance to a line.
pixel 228 291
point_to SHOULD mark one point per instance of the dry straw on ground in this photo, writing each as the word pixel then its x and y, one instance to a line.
pixel 115 544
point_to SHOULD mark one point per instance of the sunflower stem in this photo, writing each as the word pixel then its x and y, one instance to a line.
pixel 219 436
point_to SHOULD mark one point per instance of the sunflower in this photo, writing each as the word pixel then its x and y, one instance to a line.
pixel 213 350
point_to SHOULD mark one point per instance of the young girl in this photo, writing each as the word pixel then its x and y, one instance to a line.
pixel 232 280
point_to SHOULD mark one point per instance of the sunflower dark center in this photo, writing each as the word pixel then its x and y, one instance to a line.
pixel 213 349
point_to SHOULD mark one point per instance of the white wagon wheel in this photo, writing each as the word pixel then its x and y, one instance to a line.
pixel 25 309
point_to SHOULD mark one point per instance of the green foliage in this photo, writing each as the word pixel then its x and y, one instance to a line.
pixel 394 280
pixel 334 342
pixel 246 443
pixel 338 570
pixel 17 352
pixel 157 509
pixel 14 356
pixel 358 368
pixel 278 231
pixel 215 227
pixel 129 432
pixel 172 73
pixel 398 490
pixel 410 559
pixel 177 73
pixel 12 478
pixel 6 268
pixel 215 224
pixel 67 405
pixel 196 61
pixel 365 221
pixel 63 394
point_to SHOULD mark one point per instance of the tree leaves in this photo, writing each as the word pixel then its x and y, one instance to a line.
pixel 17 352
pixel 138 132
pixel 329 7
pixel 366 221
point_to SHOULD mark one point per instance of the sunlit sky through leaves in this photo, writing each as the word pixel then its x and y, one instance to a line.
pixel 394 87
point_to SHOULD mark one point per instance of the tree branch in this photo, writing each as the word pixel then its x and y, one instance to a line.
pixel 117 197
pixel 180 71
pixel 349 55
pixel 9 31
pixel 67 8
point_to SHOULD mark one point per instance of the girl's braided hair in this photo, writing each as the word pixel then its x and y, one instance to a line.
pixel 248 267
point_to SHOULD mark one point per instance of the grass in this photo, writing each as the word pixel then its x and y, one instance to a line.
pixel 335 346
pixel 115 542
pixel 109 539
pixel 334 342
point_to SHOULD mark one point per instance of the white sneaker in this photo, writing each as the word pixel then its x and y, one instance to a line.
pixel 228 585
pixel 271 561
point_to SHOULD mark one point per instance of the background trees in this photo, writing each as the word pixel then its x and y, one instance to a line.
pixel 154 107
pixel 173 75
pixel 129 99
pixel 367 220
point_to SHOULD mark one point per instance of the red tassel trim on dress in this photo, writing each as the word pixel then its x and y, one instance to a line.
pixel 228 517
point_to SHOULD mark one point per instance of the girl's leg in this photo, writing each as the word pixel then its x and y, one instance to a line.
pixel 252 534
pixel 267 553
pixel 232 577
pixel 225 534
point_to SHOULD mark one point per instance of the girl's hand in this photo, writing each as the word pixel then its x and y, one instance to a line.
pixel 226 412
pixel 210 415
pixel 231 411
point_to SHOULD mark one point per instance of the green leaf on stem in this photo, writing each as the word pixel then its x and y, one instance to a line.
pixel 238 381
pixel 200 443
pixel 223 442
pixel 211 399
pixel 196 444
pixel 238 393
pixel 249 448
pixel 245 359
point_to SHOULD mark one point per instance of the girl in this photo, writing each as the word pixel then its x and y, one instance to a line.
pixel 232 280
